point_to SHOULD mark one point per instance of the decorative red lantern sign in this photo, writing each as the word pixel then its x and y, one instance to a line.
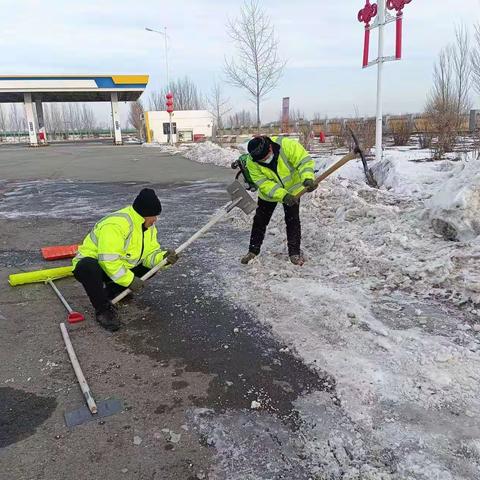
pixel 365 15
pixel 169 103
pixel 398 5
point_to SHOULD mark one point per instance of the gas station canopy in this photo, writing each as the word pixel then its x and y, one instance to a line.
pixel 34 90
pixel 71 88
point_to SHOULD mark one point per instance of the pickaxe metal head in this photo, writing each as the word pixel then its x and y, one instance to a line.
pixel 358 150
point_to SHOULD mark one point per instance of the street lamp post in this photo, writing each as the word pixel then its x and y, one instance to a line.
pixel 164 33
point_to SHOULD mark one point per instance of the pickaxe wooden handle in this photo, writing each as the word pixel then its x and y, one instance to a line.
pixel 329 171
pixel 357 151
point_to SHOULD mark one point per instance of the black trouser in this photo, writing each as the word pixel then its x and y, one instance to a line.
pixel 99 286
pixel 262 218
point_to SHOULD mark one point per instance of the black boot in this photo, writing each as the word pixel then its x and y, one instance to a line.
pixel 108 319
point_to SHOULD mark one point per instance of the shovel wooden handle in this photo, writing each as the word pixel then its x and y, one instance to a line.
pixel 225 210
pixel 329 171
pixel 92 406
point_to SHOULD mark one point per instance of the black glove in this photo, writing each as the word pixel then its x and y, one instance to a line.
pixel 310 185
pixel 136 285
pixel 171 256
pixel 289 200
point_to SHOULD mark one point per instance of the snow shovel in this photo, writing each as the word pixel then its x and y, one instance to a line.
pixel 239 198
pixel 93 410
pixel 73 317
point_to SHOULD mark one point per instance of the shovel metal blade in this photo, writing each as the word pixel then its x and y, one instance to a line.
pixel 82 415
pixel 239 194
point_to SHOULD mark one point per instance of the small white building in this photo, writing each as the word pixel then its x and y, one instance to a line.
pixel 187 125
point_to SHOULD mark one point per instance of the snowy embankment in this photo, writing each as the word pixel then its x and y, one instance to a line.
pixel 387 305
pixel 375 306
pixel 403 229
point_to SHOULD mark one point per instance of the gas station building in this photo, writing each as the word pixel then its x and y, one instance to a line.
pixel 33 90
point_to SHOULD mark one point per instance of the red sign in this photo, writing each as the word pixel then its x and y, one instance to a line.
pixel 369 11
pixel 398 5
pixel 365 16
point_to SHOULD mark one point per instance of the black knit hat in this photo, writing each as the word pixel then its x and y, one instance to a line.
pixel 147 204
pixel 258 147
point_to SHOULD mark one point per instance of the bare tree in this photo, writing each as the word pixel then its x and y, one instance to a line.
pixel 186 96
pixel 240 119
pixel 135 117
pixel 218 105
pixel 67 123
pixel 56 118
pixel 462 69
pixel 15 119
pixel 88 121
pixel 3 122
pixel 258 67
pixel 449 99
pixel 156 102
pixel 401 130
pixel 53 119
pixel 475 59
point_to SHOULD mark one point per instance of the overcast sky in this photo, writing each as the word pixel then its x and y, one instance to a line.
pixel 321 40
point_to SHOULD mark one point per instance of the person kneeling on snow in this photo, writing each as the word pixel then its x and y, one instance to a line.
pixel 280 168
pixel 120 249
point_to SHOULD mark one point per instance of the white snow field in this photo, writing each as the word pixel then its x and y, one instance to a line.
pixel 386 304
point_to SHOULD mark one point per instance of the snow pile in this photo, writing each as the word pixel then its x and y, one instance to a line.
pixel 205 152
pixel 164 148
pixel 454 209
pixel 375 306
pixel 385 305
pixel 209 152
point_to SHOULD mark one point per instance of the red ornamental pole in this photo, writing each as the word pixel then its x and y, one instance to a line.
pixel 398 5
pixel 365 15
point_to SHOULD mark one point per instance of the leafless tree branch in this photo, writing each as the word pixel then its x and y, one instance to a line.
pixel 257 67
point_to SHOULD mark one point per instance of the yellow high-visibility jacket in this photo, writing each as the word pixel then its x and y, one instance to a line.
pixel 119 243
pixel 294 166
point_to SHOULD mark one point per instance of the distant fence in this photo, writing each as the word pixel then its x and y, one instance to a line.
pixel 336 126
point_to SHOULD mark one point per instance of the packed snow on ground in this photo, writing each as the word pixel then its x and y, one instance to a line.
pixel 386 305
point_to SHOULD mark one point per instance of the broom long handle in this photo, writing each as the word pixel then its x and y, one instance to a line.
pixel 60 296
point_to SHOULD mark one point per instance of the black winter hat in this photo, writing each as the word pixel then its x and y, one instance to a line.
pixel 147 204
pixel 258 147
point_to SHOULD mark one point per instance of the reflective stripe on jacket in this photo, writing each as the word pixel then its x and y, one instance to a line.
pixel 119 243
pixel 294 166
